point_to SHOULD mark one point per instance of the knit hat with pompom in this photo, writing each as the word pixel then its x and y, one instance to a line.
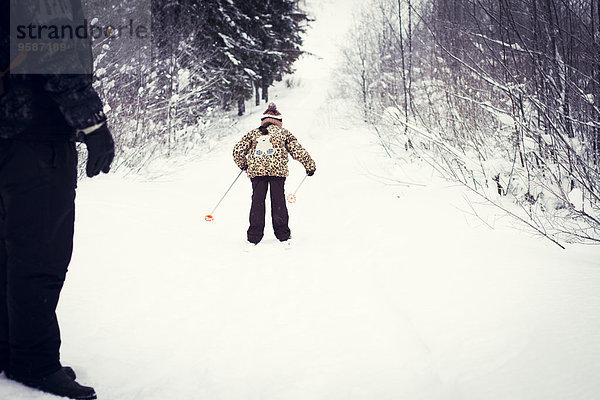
pixel 272 115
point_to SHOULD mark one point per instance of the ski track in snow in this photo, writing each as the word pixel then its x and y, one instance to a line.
pixel 388 292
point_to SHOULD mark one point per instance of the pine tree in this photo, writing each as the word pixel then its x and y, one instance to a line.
pixel 277 26
pixel 245 45
pixel 255 43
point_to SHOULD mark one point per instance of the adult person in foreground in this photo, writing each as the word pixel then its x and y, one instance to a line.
pixel 264 153
pixel 42 114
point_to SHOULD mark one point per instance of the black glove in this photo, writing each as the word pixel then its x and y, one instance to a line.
pixel 101 151
pixel 310 173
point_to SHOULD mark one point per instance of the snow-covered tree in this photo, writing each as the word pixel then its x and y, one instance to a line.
pixel 200 60
pixel 500 95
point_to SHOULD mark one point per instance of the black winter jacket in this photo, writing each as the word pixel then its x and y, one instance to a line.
pixel 49 106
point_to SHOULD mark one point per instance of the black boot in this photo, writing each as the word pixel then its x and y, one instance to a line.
pixel 68 370
pixel 59 384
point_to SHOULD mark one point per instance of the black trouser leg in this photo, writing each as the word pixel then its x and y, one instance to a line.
pixel 37 187
pixel 257 209
pixel 4 353
pixel 279 212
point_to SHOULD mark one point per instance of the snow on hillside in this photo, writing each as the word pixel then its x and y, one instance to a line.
pixel 390 291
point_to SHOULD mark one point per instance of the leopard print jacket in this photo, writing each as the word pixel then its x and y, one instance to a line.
pixel 267 154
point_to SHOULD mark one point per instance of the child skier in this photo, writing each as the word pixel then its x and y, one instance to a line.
pixel 263 152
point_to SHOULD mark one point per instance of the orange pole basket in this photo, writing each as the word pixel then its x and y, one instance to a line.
pixel 291 198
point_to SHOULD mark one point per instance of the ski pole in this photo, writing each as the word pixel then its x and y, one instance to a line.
pixel 292 197
pixel 209 217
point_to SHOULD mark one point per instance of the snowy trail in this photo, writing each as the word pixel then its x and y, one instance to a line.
pixel 389 292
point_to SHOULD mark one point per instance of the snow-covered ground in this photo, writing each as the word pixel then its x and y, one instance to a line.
pixel 390 291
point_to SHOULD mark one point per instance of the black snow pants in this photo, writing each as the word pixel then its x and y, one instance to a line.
pixel 37 214
pixel 279 212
